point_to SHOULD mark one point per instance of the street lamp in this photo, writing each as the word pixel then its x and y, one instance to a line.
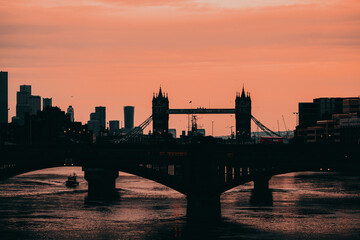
pixel 296 118
pixel 212 128
pixel 190 102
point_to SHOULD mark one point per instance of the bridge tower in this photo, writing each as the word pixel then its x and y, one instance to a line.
pixel 243 116
pixel 160 113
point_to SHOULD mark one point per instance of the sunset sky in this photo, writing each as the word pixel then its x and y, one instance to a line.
pixel 113 53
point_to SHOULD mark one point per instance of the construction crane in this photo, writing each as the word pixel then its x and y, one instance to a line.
pixel 287 131
pixel 194 123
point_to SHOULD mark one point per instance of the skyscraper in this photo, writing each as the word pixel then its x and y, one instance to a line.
pixel 94 124
pixel 22 102
pixel 70 112
pixel 97 122
pixel 25 88
pixel 114 126
pixel 101 116
pixel 3 97
pixel 26 104
pixel 129 117
pixel 35 104
pixel 47 103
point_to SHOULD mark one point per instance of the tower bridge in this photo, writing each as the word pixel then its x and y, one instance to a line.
pixel 242 111
pixel 161 112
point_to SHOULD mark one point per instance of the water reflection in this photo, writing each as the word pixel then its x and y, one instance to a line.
pixel 299 206
pixel 98 199
pixel 261 198
pixel 203 209
pixel 201 229
pixel 181 228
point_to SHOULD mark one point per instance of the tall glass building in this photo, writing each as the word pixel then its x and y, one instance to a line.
pixel 3 97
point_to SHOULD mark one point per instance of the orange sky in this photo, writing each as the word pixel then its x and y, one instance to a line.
pixel 114 53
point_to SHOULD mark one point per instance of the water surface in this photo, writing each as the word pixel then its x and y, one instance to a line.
pixel 307 205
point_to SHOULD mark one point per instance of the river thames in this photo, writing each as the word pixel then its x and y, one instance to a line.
pixel 305 205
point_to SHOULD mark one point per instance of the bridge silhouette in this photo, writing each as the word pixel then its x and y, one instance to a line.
pixel 201 171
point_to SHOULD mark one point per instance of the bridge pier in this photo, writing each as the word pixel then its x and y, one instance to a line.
pixel 101 182
pixel 202 185
pixel 203 207
pixel 261 183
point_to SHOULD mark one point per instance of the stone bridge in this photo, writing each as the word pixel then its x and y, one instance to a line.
pixel 201 171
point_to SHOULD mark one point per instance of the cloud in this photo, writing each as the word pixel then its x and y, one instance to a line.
pixel 145 2
pixel 208 33
pixel 101 44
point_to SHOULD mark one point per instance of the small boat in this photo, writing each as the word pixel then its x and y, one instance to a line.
pixel 71 181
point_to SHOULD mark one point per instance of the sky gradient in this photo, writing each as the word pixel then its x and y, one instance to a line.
pixel 111 53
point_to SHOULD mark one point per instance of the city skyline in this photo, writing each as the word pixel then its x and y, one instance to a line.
pixel 284 52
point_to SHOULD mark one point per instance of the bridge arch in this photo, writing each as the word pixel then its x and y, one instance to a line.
pixel 265 176
pixel 168 182
pixel 11 170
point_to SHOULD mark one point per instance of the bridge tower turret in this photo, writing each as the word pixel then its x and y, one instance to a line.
pixel 160 113
pixel 243 116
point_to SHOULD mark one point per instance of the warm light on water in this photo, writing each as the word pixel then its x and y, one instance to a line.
pixel 38 205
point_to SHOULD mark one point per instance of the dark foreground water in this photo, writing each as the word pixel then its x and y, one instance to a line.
pixel 307 205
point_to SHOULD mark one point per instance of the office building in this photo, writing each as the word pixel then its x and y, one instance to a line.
pixel 70 112
pixel 114 126
pixel 22 97
pixel 101 116
pixel 25 88
pixel 35 104
pixel 328 106
pixel 129 117
pixel 308 114
pixel 351 105
pixel 22 103
pixel 97 122
pixel 47 103
pixel 328 120
pixel 26 104
pixel 325 108
pixel 93 116
pixel 94 126
pixel 3 97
